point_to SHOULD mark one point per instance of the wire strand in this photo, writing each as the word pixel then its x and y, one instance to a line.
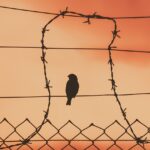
pixel 70 15
pixel 77 48
pixel 61 96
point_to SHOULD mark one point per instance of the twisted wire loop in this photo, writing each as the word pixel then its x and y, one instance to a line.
pixel 140 140
pixel 81 137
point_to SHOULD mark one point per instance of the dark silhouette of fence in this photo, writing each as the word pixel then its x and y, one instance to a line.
pixel 79 138
pixel 140 140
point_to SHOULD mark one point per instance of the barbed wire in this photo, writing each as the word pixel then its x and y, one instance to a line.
pixel 72 15
pixel 110 61
pixel 115 32
pixel 77 48
pixel 103 135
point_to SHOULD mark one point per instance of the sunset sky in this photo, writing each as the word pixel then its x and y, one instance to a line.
pixel 22 70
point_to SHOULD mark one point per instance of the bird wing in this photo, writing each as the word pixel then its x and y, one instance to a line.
pixel 72 88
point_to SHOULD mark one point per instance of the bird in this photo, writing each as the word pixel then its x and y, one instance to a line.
pixel 72 88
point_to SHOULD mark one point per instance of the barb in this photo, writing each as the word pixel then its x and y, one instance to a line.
pixel 77 48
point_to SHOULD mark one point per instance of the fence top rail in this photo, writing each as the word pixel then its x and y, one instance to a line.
pixel 69 15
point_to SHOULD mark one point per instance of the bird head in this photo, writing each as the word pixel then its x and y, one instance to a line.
pixel 72 76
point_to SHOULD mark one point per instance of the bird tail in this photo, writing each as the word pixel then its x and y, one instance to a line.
pixel 69 101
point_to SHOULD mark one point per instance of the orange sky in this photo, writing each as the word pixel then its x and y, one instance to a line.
pixel 21 69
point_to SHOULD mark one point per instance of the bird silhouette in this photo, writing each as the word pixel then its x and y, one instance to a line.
pixel 72 88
